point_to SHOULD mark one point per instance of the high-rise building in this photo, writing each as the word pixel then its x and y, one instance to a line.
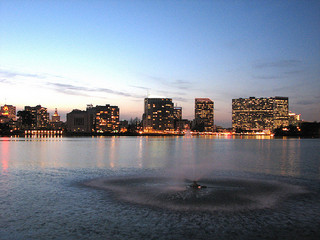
pixel 158 114
pixel 258 114
pixel 204 114
pixel 280 112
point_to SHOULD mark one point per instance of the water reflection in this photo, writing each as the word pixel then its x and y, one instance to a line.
pixel 140 152
pixel 112 152
pixel 181 156
pixel 4 155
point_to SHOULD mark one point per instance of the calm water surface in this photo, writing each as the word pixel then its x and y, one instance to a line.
pixel 43 195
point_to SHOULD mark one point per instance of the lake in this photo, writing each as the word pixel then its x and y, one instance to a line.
pixel 138 188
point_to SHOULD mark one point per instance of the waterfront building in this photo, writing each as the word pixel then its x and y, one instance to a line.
pixel 106 119
pixel 182 124
pixel 9 112
pixel 33 118
pixel 158 114
pixel 280 112
pixel 56 123
pixel 294 119
pixel 204 115
pixel 259 114
pixel 99 119
pixel 78 121
pixel 177 113
pixel 177 118
pixel 123 126
pixel 55 116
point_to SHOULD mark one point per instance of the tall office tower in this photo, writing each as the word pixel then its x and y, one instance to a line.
pixel 280 112
pixel 257 114
pixel 8 111
pixel 158 114
pixel 39 117
pixel 204 113
pixel 55 116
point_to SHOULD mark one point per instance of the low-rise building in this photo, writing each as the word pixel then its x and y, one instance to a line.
pixel 78 121
pixel 99 119
pixel 33 118
pixel 9 112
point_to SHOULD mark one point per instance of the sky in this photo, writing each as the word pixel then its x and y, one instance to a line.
pixel 67 54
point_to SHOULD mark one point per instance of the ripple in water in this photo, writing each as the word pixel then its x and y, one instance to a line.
pixel 221 194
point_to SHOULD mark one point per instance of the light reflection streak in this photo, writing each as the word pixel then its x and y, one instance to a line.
pixel 5 155
pixel 140 152
pixel 289 157
pixel 100 151
pixel 112 152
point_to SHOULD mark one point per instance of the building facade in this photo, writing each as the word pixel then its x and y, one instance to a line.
pixel 99 119
pixel 8 111
pixel 294 119
pixel 8 115
pixel 78 121
pixel 204 114
pixel 106 119
pixel 55 116
pixel 56 123
pixel 280 112
pixel 259 114
pixel 33 118
pixel 177 113
pixel 158 114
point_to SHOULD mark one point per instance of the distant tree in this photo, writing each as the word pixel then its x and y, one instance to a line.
pixel 26 119
pixel 198 127
pixel 239 130
pixel 133 125
pixel 310 129
pixel 278 131
pixel 4 128
pixel 287 131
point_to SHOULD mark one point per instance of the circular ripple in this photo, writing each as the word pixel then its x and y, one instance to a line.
pixel 226 194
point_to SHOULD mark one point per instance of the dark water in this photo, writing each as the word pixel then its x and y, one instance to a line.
pixel 135 188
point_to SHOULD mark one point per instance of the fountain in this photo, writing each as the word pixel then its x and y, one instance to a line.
pixel 192 185
pixel 218 194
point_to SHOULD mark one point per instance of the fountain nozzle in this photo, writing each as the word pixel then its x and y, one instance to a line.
pixel 195 185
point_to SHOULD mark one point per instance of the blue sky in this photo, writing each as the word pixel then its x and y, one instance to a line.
pixel 67 54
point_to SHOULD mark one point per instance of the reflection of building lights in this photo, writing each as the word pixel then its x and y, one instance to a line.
pixel 4 155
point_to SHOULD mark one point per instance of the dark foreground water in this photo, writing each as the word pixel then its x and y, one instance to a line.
pixel 136 188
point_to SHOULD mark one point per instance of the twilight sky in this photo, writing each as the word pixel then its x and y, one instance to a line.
pixel 66 54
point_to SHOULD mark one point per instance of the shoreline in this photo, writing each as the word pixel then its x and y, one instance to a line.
pixel 64 134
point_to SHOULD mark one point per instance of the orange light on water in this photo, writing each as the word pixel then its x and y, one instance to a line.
pixel 4 155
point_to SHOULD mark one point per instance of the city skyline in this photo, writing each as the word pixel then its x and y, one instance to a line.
pixel 68 54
